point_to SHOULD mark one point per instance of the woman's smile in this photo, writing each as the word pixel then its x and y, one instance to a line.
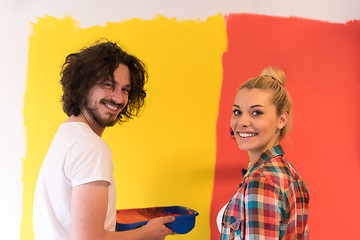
pixel 247 134
pixel 255 122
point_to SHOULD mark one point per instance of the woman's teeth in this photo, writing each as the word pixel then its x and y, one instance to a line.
pixel 247 135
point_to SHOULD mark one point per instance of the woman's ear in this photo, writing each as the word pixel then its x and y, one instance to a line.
pixel 283 120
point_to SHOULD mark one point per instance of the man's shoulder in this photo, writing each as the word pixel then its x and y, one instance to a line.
pixel 80 135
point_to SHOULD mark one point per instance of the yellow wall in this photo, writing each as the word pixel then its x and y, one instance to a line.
pixel 165 157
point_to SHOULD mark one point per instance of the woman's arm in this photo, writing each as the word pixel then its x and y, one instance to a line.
pixel 264 209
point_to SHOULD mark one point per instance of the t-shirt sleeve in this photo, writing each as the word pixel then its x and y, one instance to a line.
pixel 88 161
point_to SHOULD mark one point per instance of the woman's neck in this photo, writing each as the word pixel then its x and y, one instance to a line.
pixel 254 156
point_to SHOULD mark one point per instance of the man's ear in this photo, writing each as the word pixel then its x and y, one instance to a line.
pixel 283 120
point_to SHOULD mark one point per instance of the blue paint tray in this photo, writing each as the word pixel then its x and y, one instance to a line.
pixel 128 219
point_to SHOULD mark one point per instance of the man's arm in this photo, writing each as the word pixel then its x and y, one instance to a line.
pixel 88 211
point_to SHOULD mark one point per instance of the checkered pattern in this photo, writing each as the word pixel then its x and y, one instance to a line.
pixel 271 203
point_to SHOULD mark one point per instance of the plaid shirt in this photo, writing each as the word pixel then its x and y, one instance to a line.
pixel 271 203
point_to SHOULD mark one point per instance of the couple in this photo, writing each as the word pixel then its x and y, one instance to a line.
pixel 103 85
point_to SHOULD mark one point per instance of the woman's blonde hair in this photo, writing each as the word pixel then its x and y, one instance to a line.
pixel 274 79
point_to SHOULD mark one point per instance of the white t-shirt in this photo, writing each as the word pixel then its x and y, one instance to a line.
pixel 219 217
pixel 76 156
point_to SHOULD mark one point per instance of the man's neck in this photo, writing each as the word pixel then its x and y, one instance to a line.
pixel 85 117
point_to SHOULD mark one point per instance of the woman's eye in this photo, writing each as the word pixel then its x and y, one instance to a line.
pixel 256 113
pixel 126 90
pixel 236 112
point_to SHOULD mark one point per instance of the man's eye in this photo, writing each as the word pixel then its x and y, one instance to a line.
pixel 108 84
pixel 236 112
pixel 126 90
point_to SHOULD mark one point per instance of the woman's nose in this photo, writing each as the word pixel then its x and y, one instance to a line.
pixel 244 121
pixel 239 121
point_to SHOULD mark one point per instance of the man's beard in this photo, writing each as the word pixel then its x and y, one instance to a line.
pixel 102 121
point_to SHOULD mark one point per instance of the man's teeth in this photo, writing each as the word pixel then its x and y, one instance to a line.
pixel 111 107
pixel 246 135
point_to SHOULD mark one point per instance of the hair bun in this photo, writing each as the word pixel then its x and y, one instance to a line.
pixel 276 73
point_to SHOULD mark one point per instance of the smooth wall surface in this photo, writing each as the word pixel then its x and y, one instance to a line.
pixel 189 121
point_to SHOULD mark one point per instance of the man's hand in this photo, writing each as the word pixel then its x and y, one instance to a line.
pixel 156 230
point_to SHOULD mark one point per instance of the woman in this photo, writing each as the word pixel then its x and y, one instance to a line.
pixel 272 200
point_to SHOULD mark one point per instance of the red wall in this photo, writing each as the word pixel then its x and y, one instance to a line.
pixel 322 63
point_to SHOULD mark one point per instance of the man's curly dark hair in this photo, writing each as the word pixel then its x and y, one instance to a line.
pixel 96 64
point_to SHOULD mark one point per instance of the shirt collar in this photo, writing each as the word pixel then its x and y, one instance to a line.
pixel 268 154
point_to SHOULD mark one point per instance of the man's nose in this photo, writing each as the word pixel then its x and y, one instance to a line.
pixel 118 96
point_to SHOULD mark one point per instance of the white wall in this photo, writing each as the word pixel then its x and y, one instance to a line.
pixel 15 18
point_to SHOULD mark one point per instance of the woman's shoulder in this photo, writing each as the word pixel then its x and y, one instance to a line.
pixel 277 171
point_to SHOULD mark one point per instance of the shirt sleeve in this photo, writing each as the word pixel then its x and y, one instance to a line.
pixel 88 161
pixel 264 209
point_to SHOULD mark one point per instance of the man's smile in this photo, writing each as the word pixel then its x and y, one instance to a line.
pixel 112 107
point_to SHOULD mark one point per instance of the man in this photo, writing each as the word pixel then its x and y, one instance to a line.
pixel 75 190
